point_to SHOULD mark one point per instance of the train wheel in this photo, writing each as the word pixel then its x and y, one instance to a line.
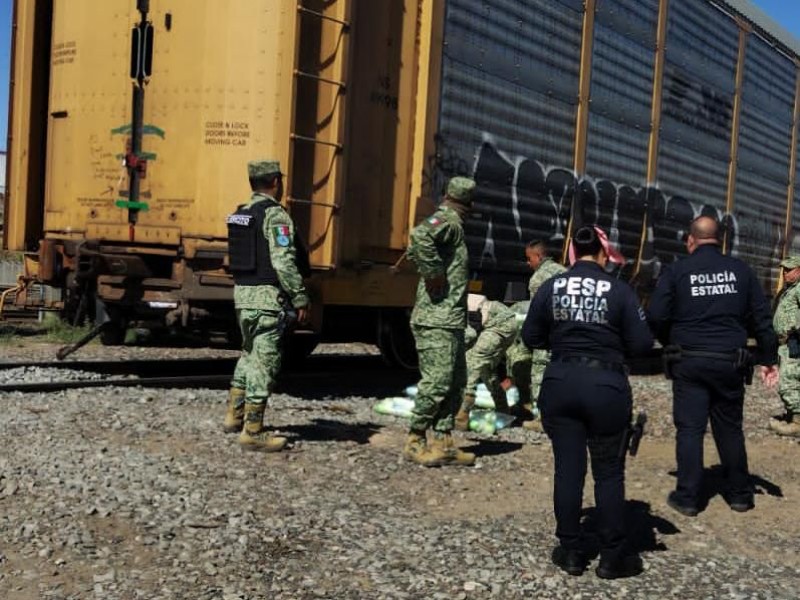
pixel 395 340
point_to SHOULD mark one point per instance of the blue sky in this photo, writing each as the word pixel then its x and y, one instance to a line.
pixel 786 12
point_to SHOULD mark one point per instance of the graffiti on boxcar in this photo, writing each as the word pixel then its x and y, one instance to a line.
pixel 519 199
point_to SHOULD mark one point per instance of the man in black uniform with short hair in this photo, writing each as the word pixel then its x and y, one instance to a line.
pixel 701 311
pixel 591 322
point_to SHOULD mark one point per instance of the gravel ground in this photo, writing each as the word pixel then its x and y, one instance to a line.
pixel 125 493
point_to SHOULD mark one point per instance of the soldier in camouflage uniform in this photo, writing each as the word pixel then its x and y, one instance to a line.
pixel 438 320
pixel 544 268
pixel 518 364
pixel 269 287
pixel 786 322
pixel 499 330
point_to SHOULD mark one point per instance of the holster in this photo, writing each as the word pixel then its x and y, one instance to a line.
pixel 669 356
pixel 745 364
pixel 793 343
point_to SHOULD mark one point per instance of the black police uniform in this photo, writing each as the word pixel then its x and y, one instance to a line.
pixel 591 322
pixel 705 304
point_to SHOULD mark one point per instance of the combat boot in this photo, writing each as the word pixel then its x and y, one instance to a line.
pixel 234 415
pixel 254 436
pixel 416 450
pixel 462 416
pixel 790 428
pixel 447 445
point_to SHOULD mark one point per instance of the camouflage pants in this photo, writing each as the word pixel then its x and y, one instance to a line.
pixel 442 365
pixel 518 365
pixel 789 384
pixel 260 361
pixel 539 361
pixel 482 361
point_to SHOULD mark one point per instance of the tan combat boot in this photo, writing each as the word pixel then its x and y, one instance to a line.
pixel 234 415
pixel 790 428
pixel 254 436
pixel 462 416
pixel 447 446
pixel 418 451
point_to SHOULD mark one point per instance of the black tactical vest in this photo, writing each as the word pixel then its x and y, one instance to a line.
pixel 248 250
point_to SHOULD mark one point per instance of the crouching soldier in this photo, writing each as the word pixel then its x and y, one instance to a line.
pixel 498 330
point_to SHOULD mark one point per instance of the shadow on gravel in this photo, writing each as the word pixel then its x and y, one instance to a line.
pixel 325 430
pixel 492 448
pixel 643 527
pixel 714 485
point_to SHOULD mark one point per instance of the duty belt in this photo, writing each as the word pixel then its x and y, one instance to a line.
pixel 592 363
pixel 708 354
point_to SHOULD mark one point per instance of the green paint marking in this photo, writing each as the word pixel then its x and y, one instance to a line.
pixel 144 155
pixel 146 130
pixel 143 206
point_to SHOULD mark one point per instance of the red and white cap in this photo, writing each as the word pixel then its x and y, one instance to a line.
pixel 614 255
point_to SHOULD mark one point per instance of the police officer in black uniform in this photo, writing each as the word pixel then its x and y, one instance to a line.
pixel 701 312
pixel 591 322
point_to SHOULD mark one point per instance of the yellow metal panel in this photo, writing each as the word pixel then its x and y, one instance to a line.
pixel 144 234
pixel 319 139
pixel 220 95
pixel 427 99
pixel 370 287
pixel 89 97
pixel 28 97
pixel 735 119
pixel 382 101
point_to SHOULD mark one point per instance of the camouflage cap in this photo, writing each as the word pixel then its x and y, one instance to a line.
pixel 263 168
pixel 459 189
pixel 791 262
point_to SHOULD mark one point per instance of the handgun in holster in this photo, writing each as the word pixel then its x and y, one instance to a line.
pixel 633 436
pixel 793 343
pixel 745 364
pixel 669 356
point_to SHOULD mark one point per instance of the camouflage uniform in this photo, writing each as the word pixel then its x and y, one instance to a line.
pixel 785 321
pixel 518 357
pixel 261 309
pixel 539 358
pixel 437 245
pixel 499 332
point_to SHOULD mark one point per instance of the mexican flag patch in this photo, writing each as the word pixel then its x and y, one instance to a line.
pixel 434 221
pixel 282 235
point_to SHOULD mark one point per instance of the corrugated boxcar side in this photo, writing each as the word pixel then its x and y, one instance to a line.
pixel 619 119
pixel 765 136
pixel 508 101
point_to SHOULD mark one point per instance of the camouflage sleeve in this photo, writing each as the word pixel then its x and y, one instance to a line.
pixel 279 231
pixel 426 239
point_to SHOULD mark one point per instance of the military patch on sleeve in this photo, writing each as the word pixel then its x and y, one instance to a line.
pixel 435 221
pixel 282 235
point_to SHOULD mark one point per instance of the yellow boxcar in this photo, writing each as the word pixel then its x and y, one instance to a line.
pixel 132 122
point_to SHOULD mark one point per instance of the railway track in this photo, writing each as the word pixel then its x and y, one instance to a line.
pixel 314 377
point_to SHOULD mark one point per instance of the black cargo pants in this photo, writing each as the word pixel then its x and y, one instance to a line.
pixel 590 407
pixel 706 388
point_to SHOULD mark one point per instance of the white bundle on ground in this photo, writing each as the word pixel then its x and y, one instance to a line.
pixel 483 419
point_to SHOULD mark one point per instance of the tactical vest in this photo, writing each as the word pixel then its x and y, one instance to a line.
pixel 248 250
